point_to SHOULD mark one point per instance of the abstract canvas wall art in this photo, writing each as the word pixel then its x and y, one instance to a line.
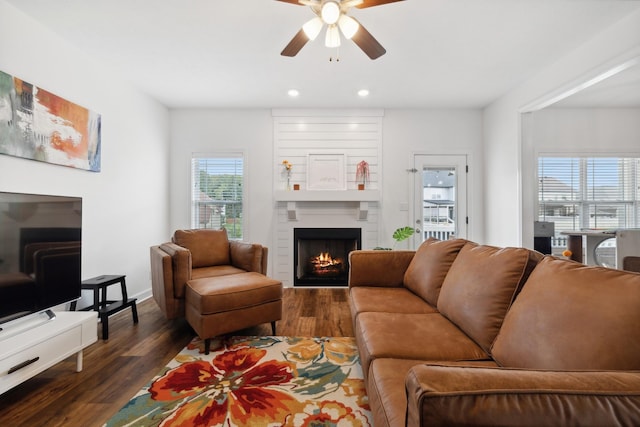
pixel 36 124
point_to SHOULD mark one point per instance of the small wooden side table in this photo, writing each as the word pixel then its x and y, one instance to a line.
pixel 104 307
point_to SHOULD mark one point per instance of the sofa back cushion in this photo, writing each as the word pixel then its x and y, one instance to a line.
pixel 481 285
pixel 429 267
pixel 573 317
pixel 208 247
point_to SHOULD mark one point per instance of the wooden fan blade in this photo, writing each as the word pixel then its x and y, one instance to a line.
pixel 297 42
pixel 370 3
pixel 311 3
pixel 368 43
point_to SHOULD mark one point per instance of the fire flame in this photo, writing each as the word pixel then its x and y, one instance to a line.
pixel 324 264
pixel 324 259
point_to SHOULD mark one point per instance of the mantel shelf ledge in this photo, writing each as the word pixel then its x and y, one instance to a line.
pixel 328 196
pixel 361 197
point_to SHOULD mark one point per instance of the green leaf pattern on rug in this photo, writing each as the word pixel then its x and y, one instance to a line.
pixel 286 381
pixel 321 363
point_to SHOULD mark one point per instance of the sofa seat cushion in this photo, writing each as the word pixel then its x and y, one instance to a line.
pixel 481 286
pixel 429 267
pixel 232 292
pixel 386 388
pixel 412 336
pixel 570 316
pixel 387 300
pixel 207 247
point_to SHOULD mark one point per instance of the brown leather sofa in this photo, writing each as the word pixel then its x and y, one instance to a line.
pixel 218 285
pixel 458 333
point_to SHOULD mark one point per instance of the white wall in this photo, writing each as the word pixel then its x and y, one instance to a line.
pixel 584 131
pixel 125 206
pixel 508 206
pixel 405 133
pixel 207 131
pixel 429 131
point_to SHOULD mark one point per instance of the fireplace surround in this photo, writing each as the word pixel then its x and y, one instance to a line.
pixel 321 255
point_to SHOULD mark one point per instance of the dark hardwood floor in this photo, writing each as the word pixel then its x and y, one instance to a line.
pixel 114 370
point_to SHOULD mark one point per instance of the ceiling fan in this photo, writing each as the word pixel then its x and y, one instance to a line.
pixel 333 13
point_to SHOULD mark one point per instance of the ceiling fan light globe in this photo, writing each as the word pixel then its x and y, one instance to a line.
pixel 330 12
pixel 313 27
pixel 332 38
pixel 348 26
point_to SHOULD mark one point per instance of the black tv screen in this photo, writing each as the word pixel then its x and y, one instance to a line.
pixel 40 253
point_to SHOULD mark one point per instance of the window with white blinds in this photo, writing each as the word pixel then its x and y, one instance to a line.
pixel 588 193
pixel 217 192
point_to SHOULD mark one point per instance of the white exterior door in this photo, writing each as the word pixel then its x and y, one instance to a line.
pixel 440 197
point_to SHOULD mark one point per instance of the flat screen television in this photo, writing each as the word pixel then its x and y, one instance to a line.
pixel 40 253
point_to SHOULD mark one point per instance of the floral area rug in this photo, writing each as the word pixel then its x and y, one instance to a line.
pixel 255 381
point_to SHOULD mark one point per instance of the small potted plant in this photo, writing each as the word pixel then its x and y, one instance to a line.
pixel 362 174
pixel 399 235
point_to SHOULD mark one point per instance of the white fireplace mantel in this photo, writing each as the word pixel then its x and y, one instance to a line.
pixel 361 197
pixel 328 196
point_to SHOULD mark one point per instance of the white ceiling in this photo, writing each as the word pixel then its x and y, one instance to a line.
pixel 226 53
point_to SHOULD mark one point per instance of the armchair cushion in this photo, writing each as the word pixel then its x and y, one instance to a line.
pixel 207 247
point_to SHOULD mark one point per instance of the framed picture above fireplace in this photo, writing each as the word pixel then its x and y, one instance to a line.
pixel 326 171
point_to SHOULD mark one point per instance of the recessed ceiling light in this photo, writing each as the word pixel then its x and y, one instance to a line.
pixel 293 93
pixel 363 93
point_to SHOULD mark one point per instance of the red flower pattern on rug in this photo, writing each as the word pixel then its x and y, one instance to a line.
pixel 310 382
pixel 233 385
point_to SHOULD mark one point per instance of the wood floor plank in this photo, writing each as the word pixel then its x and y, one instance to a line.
pixel 114 370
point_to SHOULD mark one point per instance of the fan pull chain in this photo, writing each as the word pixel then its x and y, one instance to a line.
pixel 337 58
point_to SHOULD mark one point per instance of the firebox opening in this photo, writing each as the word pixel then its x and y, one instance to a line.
pixel 321 255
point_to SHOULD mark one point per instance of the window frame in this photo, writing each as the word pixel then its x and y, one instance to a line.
pixel 582 199
pixel 213 156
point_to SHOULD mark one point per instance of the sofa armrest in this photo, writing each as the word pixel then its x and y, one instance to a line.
pixel 248 256
pixel 378 268
pixel 440 395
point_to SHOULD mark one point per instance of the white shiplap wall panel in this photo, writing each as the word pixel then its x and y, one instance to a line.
pixel 356 135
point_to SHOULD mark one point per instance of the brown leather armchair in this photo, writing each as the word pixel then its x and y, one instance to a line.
pixel 197 254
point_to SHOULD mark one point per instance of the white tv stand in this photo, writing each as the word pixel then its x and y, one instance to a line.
pixel 33 349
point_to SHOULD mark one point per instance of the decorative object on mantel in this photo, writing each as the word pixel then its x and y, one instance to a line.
pixel 333 13
pixel 326 171
pixel 399 235
pixel 287 169
pixel 362 174
pixel 38 125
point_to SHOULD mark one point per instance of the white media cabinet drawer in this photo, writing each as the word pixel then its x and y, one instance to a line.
pixel 30 352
